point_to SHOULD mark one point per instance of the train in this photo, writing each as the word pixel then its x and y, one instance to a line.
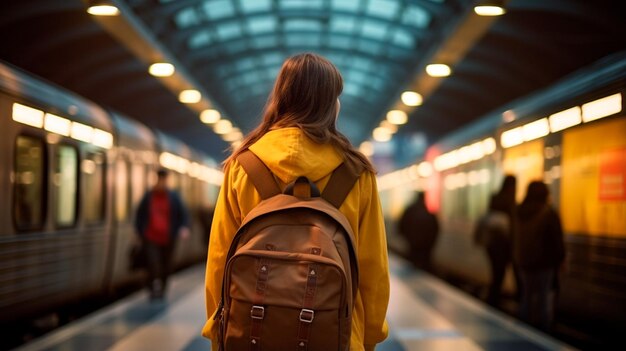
pixel 72 174
pixel 572 136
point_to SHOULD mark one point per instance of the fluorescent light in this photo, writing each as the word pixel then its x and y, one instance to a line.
pixel 27 115
pixel 102 139
pixel 489 10
pixel 190 96
pixel 223 126
pixel 381 134
pixel 606 106
pixel 397 117
pixel 56 124
pixel 425 169
pixel 392 128
pixel 565 119
pixel 82 132
pixel 438 70
pixel 161 69
pixel 210 116
pixel 103 10
pixel 512 137
pixel 447 161
pixel 233 135
pixel 489 146
pixel 411 98
pixel 536 129
pixel 367 148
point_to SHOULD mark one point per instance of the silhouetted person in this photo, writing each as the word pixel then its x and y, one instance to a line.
pixel 539 252
pixel 495 232
pixel 161 220
pixel 420 228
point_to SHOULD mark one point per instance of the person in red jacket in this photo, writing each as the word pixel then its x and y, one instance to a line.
pixel 161 220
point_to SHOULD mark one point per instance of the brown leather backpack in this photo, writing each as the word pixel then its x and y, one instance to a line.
pixel 291 272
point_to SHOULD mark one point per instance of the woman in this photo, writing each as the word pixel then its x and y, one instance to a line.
pixel 539 252
pixel 298 137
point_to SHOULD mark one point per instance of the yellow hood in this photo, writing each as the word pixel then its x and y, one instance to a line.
pixel 289 153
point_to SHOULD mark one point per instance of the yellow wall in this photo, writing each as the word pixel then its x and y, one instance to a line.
pixel 525 161
pixel 584 166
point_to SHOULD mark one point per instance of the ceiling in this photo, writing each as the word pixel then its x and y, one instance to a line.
pixel 232 50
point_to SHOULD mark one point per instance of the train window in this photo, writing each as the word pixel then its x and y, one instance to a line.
pixel 28 191
pixel 121 191
pixel 65 182
pixel 93 189
pixel 138 183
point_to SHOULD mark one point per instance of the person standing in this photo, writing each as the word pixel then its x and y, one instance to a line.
pixel 539 252
pixel 495 232
pixel 298 137
pixel 420 228
pixel 161 219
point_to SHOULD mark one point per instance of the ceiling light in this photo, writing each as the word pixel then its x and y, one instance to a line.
pixel 27 115
pixel 489 9
pixel 606 106
pixel 210 116
pixel 103 10
pixel 438 70
pixel 392 128
pixel 397 117
pixel 223 126
pixel 381 135
pixel 190 96
pixel 161 69
pixel 411 98
pixel 367 148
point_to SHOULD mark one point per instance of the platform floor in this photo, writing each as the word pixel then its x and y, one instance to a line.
pixel 424 314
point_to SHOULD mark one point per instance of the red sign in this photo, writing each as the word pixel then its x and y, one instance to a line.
pixel 613 175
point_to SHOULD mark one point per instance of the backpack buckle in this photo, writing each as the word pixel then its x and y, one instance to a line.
pixel 257 312
pixel 307 315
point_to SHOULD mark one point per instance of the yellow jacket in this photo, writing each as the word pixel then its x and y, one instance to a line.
pixel 289 154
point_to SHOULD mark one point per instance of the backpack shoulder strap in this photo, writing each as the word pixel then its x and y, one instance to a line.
pixel 340 183
pixel 259 174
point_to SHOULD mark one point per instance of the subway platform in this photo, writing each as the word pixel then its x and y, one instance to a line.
pixel 424 314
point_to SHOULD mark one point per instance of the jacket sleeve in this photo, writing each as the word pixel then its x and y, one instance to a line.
pixel 373 263
pixel 182 210
pixel 226 220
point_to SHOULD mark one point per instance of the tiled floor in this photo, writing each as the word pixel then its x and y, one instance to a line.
pixel 424 314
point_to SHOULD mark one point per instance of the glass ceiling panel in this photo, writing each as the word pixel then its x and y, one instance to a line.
pixel 248 6
pixel 300 4
pixel 416 16
pixel 229 30
pixel 345 5
pixel 264 24
pixel 186 18
pixel 216 9
pixel 383 8
pixel 342 24
pixel 373 30
pixel 302 24
pixel 199 39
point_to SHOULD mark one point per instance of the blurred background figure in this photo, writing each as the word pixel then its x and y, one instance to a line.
pixel 494 232
pixel 538 252
pixel 161 220
pixel 420 228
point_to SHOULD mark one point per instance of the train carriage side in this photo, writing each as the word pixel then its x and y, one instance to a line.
pixel 573 137
pixel 54 235
pixel 135 162
pixel 183 163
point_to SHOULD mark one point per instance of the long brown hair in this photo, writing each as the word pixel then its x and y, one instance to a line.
pixel 305 96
